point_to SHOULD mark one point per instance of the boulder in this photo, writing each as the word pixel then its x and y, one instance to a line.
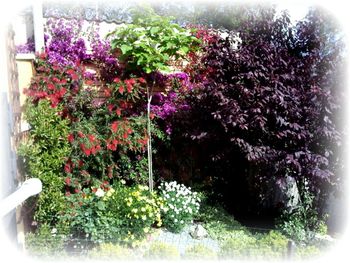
pixel 286 193
pixel 198 232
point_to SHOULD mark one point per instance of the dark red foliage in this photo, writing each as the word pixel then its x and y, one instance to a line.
pixel 268 99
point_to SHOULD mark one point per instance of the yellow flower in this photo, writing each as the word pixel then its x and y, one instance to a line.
pixel 144 217
pixel 146 230
pixel 143 209
pixel 134 210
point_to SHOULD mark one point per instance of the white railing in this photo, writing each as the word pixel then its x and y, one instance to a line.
pixel 29 188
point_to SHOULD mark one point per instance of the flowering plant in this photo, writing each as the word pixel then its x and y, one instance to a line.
pixel 86 215
pixel 181 204
pixel 135 208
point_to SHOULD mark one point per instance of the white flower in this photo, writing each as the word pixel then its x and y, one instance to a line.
pixel 175 220
pixel 54 231
pixel 100 192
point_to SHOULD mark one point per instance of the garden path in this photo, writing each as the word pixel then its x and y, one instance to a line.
pixel 183 240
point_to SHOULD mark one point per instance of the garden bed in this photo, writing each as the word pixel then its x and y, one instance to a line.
pixel 132 155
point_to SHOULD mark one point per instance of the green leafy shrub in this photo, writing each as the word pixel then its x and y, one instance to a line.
pixel 44 156
pixel 241 245
pixel 303 222
pixel 218 222
pixel 181 205
pixel 122 214
pixel 45 242
pixel 200 252
pixel 87 217
pixel 109 251
pixel 273 245
pixel 162 251
pixel 136 209
pixel 307 252
pixel 244 245
pixel 152 41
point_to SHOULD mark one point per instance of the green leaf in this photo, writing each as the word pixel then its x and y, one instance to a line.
pixel 125 48
pixel 154 30
pixel 184 49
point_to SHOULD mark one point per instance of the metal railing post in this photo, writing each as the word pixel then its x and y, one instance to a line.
pixel 29 188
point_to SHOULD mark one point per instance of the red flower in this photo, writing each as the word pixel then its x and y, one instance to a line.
pixel 67 193
pixel 112 145
pixel 110 107
pixel 123 104
pixel 91 138
pixel 50 86
pixel 76 190
pixel 121 89
pixel 70 71
pixel 81 163
pixel 98 147
pixel 80 134
pixel 132 81
pixel 114 126
pixel 70 138
pixel 67 181
pixel 89 82
pixel 87 152
pixel 74 76
pixel 129 131
pixel 118 112
pixel 43 55
pixel 151 115
pixel 142 80
pixel 62 92
pixel 125 136
pixel 68 168
pixel 94 190
pixel 107 92
pixel 63 81
pixel 129 87
pixel 116 80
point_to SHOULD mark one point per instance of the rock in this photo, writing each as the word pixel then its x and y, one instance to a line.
pixel 324 239
pixel 286 193
pixel 198 232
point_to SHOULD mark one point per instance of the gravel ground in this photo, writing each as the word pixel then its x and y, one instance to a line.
pixel 183 239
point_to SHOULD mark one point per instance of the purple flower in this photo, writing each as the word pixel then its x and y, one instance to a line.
pixel 28 47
